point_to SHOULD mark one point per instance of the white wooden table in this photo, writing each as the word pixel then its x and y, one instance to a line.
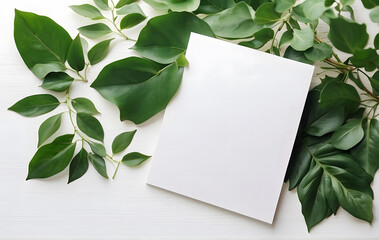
pixel 95 208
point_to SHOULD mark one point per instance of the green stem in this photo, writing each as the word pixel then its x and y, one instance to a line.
pixel 115 171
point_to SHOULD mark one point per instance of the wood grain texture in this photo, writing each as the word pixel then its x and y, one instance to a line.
pixel 125 208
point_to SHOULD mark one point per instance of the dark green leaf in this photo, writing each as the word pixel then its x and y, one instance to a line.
pixel 302 39
pixel 99 164
pixel 165 37
pixel 350 10
pixel 75 56
pixel 52 158
pixel 266 14
pixel 95 30
pixel 367 58
pixel 374 14
pixel 376 42
pixel 134 159
pixel 339 94
pixel 374 80
pixel 348 135
pixel 284 5
pixel 319 52
pixel 291 53
pixel 140 88
pixel 35 105
pixel 370 3
pixel 48 128
pixel 354 76
pixel 98 148
pixel 102 4
pixel 99 51
pixel 87 10
pixel 122 141
pixel 57 81
pixel 287 36
pixel 41 42
pixel 84 105
pixel 122 3
pixel 260 38
pixel 346 35
pixel 134 15
pixel 366 152
pixel 214 6
pixel 177 6
pixel 235 22
pixel 78 166
pixel 90 126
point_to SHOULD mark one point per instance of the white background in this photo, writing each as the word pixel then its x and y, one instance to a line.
pixel 124 208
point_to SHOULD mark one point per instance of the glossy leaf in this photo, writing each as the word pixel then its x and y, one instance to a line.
pixel 174 5
pixel 266 14
pixel 75 56
pixel 41 42
pixel 35 105
pixel 284 5
pixel 90 126
pixel 52 158
pixel 78 166
pixel 346 35
pixel 84 105
pixel 98 148
pixel 102 4
pixel 99 164
pixel 348 135
pixel 339 94
pixel 319 52
pixel 366 152
pixel 260 39
pixel 370 3
pixel 302 39
pixel 48 128
pixel 95 30
pixel 235 22
pixel 57 81
pixel 122 141
pixel 87 10
pixel 134 159
pixel 134 15
pixel 122 3
pixel 165 37
pixel 140 88
pixel 99 51
pixel 214 6
pixel 367 58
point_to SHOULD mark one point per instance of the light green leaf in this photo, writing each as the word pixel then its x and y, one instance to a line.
pixel 266 14
pixel 90 126
pixel 122 141
pixel 57 81
pixel 52 158
pixel 140 88
pixel 75 56
pixel 374 14
pixel 102 4
pixel 99 164
pixel 78 166
pixel 95 30
pixel 313 9
pixel 346 35
pixel 134 15
pixel 84 105
pixel 41 42
pixel 98 148
pixel 174 5
pixel 99 51
pixel 348 135
pixel 182 61
pixel 235 22
pixel 122 3
pixel 214 6
pixel 165 37
pixel 284 5
pixel 87 10
pixel 318 52
pixel 48 128
pixel 134 159
pixel 35 105
pixel 347 2
pixel 302 39
pixel 260 38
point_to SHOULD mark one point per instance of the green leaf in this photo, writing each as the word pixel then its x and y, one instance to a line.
pixel 139 87
pixel 266 14
pixel 52 158
pixel 346 35
pixel 348 135
pixel 374 80
pixel 319 52
pixel 122 3
pixel 347 2
pixel 374 14
pixel 339 94
pixel 134 159
pixel 214 6
pixel 313 9
pixel 376 42
pixel 102 4
pixel 260 38
pixel 99 164
pixel 284 5
pixel 48 128
pixel 366 152
pixel 287 36
pixel 354 76
pixel 302 39
pixel 235 22
pixel 98 148
pixel 84 105
pixel 182 61
pixel 41 42
pixel 291 53
pixel 134 15
pixel 57 81
pixel 299 14
pixel 35 105
pixel 99 51
pixel 78 166
pixel 87 10
pixel 75 56
pixel 350 10
pixel 95 30
pixel 165 37
pixel 174 5
pixel 122 141
pixel 367 58
pixel 370 3
pixel 90 126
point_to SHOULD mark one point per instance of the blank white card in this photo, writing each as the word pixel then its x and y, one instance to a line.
pixel 228 134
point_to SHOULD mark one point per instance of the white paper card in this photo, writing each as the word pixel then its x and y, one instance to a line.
pixel 228 133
